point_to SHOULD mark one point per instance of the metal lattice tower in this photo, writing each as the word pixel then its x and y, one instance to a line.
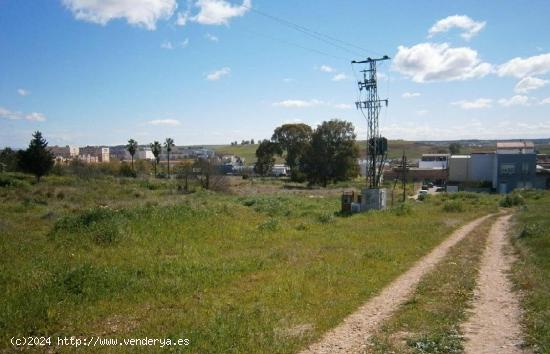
pixel 372 104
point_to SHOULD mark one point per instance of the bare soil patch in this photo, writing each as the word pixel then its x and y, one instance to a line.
pixel 352 335
pixel 494 326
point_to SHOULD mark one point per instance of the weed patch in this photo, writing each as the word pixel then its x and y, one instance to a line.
pixel 453 206
pixel 511 200
pixel 270 224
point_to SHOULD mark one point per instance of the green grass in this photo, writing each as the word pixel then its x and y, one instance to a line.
pixel 429 322
pixel 532 270
pixel 248 152
pixel 133 258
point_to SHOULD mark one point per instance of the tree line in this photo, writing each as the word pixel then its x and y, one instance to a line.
pixel 156 149
pixel 323 155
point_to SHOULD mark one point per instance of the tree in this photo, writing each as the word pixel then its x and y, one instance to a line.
pixel 332 154
pixel 252 142
pixel 37 159
pixel 9 159
pixel 265 157
pixel 156 149
pixel 168 145
pixel 454 148
pixel 294 139
pixel 132 147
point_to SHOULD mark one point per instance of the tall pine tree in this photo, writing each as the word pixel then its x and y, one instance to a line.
pixel 36 159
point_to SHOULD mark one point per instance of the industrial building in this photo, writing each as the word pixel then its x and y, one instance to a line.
pixel 431 161
pixel 511 166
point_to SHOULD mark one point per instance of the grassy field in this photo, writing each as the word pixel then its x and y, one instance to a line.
pixel 413 149
pixel 125 258
pixel 532 271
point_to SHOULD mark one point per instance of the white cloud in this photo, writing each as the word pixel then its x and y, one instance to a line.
pixel 12 115
pixel 218 74
pixel 23 92
pixel 517 100
pixel 422 112
pixel 182 18
pixel 410 94
pixel 298 103
pixel 211 37
pixel 144 13
pixel 520 67
pixel 288 79
pixel 167 45
pixel 475 104
pixel 545 101
pixel 35 116
pixel 470 27
pixel 185 43
pixel 426 62
pixel 326 69
pixel 466 130
pixel 219 12
pixel 165 122
pixel 528 84
pixel 339 77
pixel 292 103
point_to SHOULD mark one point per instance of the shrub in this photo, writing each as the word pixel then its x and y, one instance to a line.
pixel 453 206
pixel 100 225
pixel 403 209
pixel 105 233
pixel 531 230
pixel 512 199
pixel 9 181
pixel 297 176
pixel 90 282
pixel 423 197
pixel 126 171
pixel 270 224
pixel 325 218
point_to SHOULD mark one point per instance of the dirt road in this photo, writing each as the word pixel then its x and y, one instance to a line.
pixel 352 335
pixel 494 326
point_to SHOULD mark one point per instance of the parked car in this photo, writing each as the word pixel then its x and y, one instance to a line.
pixel 425 187
pixel 422 192
pixel 430 185
pixel 440 189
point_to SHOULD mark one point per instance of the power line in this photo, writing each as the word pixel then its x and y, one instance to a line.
pixel 315 34
pixel 293 44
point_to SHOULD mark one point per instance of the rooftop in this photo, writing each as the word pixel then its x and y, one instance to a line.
pixel 515 145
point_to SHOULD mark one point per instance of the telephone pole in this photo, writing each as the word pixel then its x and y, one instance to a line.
pixel 376 149
pixel 404 175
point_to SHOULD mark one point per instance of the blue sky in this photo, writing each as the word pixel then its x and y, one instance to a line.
pixel 213 71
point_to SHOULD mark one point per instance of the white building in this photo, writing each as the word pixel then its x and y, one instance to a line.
pixel 434 161
pixel 105 154
pixel 73 151
pixel 280 170
pixel 145 154
pixel 516 147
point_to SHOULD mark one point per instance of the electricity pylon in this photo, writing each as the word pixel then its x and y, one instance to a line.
pixel 376 146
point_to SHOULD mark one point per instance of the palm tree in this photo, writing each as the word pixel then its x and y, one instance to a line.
pixel 168 145
pixel 132 147
pixel 156 148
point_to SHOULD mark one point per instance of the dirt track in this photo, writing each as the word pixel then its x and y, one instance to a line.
pixel 494 326
pixel 351 336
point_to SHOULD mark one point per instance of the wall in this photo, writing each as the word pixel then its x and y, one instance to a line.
pixel 481 167
pixel 459 168
pixel 516 177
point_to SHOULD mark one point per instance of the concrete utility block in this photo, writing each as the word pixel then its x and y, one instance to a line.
pixel 373 199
